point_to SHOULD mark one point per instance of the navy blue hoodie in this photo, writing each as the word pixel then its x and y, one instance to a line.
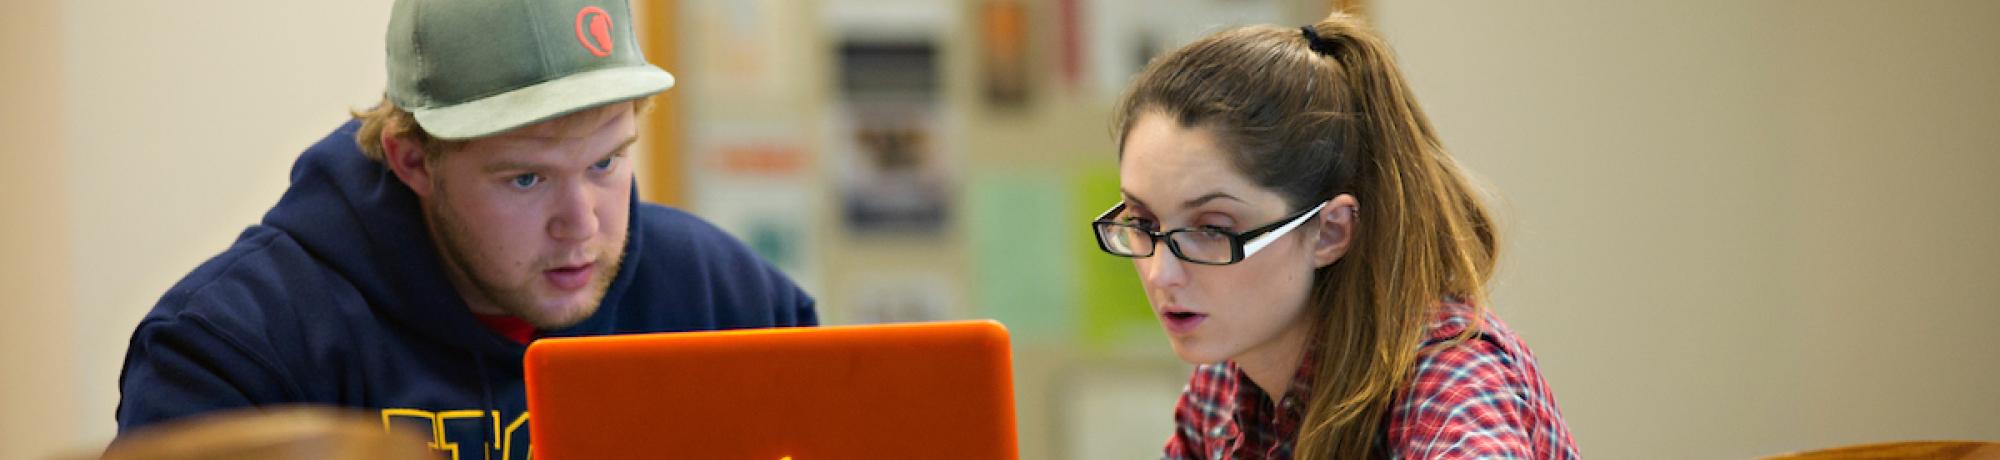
pixel 338 298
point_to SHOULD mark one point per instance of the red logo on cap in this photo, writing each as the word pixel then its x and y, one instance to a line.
pixel 597 37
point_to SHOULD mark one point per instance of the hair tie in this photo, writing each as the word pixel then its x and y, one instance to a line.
pixel 1317 44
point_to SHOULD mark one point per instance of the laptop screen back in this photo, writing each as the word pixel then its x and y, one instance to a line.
pixel 911 390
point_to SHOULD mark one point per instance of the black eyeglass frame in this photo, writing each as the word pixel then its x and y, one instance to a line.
pixel 1237 241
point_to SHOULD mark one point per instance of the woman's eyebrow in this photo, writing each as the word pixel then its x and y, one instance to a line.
pixel 1198 201
pixel 1132 199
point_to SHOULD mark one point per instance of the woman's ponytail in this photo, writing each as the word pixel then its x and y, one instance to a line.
pixel 1423 234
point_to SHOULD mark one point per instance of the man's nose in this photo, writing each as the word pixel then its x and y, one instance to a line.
pixel 575 214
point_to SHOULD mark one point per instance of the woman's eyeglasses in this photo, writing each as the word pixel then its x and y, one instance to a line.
pixel 1201 245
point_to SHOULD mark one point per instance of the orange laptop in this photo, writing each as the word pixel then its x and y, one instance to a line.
pixel 892 391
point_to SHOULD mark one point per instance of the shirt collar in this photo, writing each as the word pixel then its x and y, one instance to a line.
pixel 1249 397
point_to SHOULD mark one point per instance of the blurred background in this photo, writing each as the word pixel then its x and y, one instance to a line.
pixel 1732 228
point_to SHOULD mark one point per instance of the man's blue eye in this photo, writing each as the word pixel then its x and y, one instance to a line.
pixel 525 181
pixel 601 165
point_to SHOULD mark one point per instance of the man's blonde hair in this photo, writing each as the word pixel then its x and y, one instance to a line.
pixel 388 119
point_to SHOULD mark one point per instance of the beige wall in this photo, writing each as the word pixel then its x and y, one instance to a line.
pixel 154 132
pixel 36 368
pixel 1737 228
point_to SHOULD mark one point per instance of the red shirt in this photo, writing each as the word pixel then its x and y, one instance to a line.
pixel 1483 398
pixel 512 327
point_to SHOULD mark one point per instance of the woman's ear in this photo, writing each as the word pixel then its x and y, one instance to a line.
pixel 405 157
pixel 1335 230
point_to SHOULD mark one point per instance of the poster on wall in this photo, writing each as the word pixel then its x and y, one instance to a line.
pixel 753 183
pixel 892 167
pixel 750 157
pixel 896 296
pixel 741 51
pixel 1004 76
pixel 1125 34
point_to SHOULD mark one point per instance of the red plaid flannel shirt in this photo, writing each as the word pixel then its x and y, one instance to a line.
pixel 1480 399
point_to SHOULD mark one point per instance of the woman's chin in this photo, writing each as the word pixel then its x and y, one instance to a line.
pixel 1193 353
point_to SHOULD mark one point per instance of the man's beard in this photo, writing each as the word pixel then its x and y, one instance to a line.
pixel 460 249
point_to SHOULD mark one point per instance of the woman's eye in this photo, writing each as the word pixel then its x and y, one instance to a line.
pixel 1216 222
pixel 526 181
pixel 1140 222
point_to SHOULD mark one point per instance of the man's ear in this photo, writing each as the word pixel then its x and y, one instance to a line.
pixel 1335 230
pixel 405 157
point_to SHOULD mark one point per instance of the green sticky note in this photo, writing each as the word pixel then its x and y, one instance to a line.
pixel 1021 227
pixel 1111 305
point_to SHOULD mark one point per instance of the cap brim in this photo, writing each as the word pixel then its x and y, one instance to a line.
pixel 542 101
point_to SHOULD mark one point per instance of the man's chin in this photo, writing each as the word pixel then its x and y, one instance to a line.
pixel 548 318
pixel 551 312
pixel 553 308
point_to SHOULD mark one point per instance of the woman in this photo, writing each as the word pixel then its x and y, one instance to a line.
pixel 1324 258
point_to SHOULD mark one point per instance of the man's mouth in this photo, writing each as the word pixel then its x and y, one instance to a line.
pixel 571 277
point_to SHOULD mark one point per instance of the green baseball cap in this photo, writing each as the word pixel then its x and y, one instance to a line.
pixel 475 68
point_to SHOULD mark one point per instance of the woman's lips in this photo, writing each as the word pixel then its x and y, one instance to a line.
pixel 1181 322
pixel 570 278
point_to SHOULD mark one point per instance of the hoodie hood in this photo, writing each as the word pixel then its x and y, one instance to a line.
pixel 358 217
pixel 340 298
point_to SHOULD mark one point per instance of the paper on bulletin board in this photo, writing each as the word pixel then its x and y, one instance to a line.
pixel 744 50
pixel 753 180
pixel 1022 233
pixel 1003 53
pixel 1125 34
pixel 1114 314
pixel 892 145
pixel 898 296
pixel 893 167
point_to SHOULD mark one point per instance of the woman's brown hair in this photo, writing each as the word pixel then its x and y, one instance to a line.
pixel 1312 113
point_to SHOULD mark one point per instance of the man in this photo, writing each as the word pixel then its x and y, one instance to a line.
pixel 489 200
